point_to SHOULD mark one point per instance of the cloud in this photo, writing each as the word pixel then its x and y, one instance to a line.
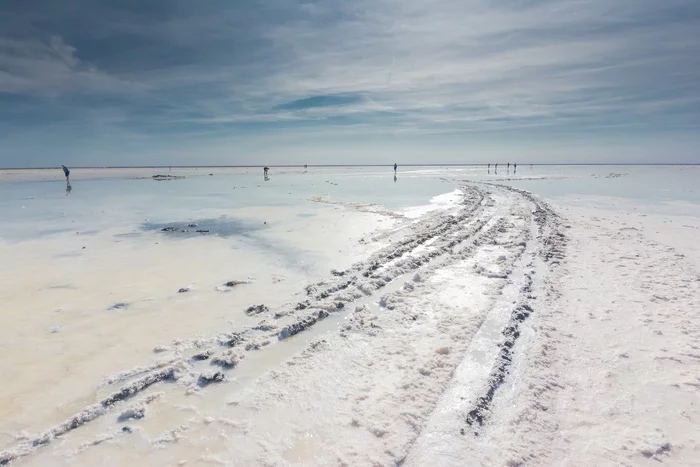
pixel 51 68
pixel 329 100
pixel 385 68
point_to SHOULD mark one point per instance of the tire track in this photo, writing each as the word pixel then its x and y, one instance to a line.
pixel 450 234
pixel 551 243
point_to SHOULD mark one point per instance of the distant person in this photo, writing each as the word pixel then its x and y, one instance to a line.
pixel 305 166
pixel 496 167
pixel 508 166
pixel 395 167
pixel 266 171
pixel 66 171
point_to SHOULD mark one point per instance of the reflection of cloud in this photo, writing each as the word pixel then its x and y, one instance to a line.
pixel 387 68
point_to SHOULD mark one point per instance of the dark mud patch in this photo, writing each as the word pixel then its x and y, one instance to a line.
pixel 222 226
pixel 62 286
pixel 301 325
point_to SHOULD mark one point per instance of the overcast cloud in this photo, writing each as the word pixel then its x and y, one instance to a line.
pixel 241 82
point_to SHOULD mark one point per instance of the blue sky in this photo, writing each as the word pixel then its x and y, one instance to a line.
pixel 159 82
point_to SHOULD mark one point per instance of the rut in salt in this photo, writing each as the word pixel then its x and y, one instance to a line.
pixel 491 224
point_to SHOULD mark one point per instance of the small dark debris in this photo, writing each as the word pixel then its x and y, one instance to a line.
pixel 663 449
pixel 210 377
pixel 136 413
pixel 202 231
pixel 256 310
pixel 234 283
pixel 337 273
pixel 183 290
pixel 119 306
pixel 127 429
pixel 202 356
pixel 167 177
pixel 317 345
pixel 232 340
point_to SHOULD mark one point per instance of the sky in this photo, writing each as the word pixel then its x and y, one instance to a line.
pixel 239 82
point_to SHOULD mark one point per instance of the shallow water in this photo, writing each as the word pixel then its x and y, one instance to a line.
pixel 671 188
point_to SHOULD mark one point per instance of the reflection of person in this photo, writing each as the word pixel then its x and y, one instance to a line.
pixel 395 177
pixel 68 188
pixel 66 171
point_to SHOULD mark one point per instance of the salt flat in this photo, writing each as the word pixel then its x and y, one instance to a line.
pixel 542 317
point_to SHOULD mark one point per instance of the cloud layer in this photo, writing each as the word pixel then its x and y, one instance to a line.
pixel 109 83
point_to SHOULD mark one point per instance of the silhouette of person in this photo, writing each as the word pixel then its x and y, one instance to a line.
pixel 515 167
pixel 66 171
pixel 395 167
pixel 496 171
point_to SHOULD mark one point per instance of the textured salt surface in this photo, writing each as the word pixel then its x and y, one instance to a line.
pixel 492 331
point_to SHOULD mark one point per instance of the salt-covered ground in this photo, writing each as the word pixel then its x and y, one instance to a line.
pixel 489 327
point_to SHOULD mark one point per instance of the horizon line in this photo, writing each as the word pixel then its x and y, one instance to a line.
pixel 347 165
